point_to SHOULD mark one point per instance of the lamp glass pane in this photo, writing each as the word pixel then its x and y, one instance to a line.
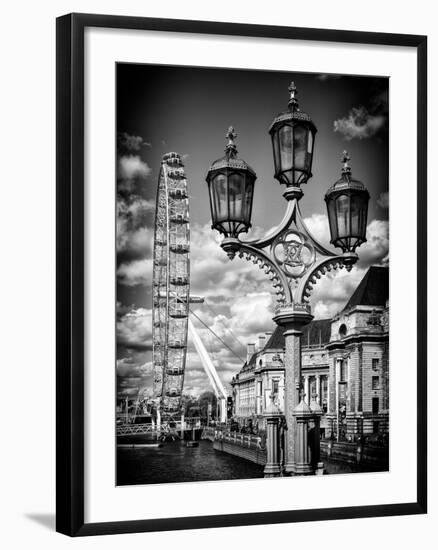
pixel 219 185
pixel 331 209
pixel 309 142
pixel 276 149
pixel 300 146
pixel 213 202
pixel 247 202
pixel 286 154
pixel 343 215
pixel 358 215
pixel 235 195
pixel 309 153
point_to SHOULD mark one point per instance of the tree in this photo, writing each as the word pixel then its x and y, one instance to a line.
pixel 206 398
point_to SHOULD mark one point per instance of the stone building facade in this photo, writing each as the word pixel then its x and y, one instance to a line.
pixel 345 367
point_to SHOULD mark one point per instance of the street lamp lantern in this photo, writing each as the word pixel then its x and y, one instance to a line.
pixel 293 137
pixel 231 188
pixel 347 207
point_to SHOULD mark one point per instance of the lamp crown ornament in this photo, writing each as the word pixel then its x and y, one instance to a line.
pixel 231 149
pixel 293 101
pixel 346 168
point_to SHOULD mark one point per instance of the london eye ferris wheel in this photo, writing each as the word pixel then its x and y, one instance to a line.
pixel 171 284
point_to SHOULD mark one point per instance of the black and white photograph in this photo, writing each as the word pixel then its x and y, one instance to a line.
pixel 218 313
pixel 252 254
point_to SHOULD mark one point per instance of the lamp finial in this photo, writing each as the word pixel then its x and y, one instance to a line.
pixel 346 168
pixel 231 149
pixel 293 101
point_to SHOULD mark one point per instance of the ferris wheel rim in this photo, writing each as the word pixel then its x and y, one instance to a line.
pixel 171 284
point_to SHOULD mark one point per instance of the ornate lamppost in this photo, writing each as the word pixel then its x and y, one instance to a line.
pixel 291 257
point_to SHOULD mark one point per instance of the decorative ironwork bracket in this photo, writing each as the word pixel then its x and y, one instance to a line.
pixel 292 258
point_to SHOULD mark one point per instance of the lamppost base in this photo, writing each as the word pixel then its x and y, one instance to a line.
pixel 289 468
pixel 319 469
pixel 272 470
pixel 303 470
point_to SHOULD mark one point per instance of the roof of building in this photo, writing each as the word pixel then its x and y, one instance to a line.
pixel 315 333
pixel 373 290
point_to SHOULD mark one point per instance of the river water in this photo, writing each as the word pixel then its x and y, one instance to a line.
pixel 174 462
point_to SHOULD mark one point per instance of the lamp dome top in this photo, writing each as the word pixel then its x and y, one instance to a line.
pixel 346 181
pixel 293 112
pixel 230 160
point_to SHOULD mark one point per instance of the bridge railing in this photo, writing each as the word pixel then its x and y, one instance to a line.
pixel 129 429
pixel 234 438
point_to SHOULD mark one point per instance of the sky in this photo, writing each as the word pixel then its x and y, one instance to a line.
pixel 188 110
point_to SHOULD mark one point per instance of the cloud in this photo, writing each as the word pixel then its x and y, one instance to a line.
pixel 212 273
pixel 333 290
pixel 318 226
pixel 359 124
pixel 127 143
pixel 383 200
pixel 376 249
pixel 134 375
pixel 131 166
pixel 134 232
pixel 134 329
pixel 137 272
pixel 365 121
pixel 254 311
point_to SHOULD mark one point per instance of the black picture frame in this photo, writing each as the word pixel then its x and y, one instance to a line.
pixel 70 273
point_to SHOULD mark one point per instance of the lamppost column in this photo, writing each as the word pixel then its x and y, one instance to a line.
pixel 293 318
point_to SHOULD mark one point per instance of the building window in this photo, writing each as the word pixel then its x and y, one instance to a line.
pixel 375 405
pixel 342 370
pixel 375 363
pixel 375 383
pixel 324 393
pixel 342 330
pixel 275 386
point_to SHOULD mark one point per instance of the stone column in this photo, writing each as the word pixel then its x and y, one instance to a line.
pixel 293 317
pixel 318 389
pixel 302 415
pixel 273 467
pixel 307 397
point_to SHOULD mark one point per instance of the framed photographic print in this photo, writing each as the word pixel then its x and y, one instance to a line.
pixel 241 229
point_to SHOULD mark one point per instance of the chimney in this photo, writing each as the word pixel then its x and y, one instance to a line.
pixel 250 350
pixel 262 341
